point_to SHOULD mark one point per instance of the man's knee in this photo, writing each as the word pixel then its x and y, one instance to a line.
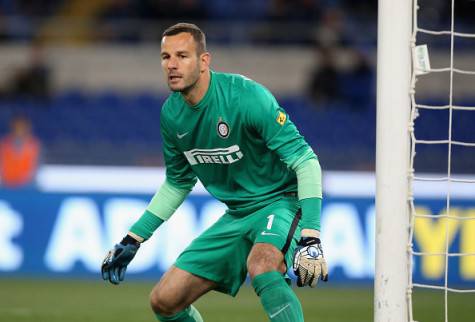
pixel 162 302
pixel 176 290
pixel 265 258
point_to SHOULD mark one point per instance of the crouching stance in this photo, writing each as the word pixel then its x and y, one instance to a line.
pixel 230 133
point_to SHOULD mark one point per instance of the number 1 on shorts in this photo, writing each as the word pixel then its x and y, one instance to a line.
pixel 269 223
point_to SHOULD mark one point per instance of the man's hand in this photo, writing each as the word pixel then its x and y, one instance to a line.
pixel 309 263
pixel 115 264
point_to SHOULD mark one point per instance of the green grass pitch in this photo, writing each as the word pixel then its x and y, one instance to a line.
pixel 88 301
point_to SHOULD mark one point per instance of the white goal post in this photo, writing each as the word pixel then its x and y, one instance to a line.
pixel 392 160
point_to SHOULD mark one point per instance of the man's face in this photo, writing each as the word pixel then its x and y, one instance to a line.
pixel 180 61
pixel 20 128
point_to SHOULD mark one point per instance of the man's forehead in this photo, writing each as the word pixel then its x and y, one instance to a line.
pixel 181 40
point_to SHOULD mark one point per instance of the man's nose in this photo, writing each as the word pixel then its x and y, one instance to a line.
pixel 172 63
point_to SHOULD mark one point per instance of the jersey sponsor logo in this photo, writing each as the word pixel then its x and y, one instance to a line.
pixel 227 155
pixel 281 118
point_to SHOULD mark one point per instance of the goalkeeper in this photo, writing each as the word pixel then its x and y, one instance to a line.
pixel 230 133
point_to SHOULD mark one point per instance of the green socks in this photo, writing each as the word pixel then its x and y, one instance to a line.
pixel 190 314
pixel 278 299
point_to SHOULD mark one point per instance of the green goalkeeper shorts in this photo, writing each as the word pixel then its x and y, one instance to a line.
pixel 220 253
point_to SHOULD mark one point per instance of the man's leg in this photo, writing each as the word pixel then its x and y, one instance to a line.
pixel 266 267
pixel 173 295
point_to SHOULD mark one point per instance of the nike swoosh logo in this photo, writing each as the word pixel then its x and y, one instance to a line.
pixel 273 315
pixel 268 234
pixel 180 136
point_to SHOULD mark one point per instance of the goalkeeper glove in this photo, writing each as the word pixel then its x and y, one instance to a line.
pixel 309 263
pixel 115 263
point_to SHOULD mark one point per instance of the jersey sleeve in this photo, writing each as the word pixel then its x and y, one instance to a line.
pixel 178 170
pixel 272 124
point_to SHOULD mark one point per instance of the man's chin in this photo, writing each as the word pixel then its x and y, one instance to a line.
pixel 175 88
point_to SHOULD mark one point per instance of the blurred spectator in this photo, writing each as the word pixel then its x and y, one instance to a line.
pixel 324 85
pixel 19 155
pixel 331 31
pixel 357 85
pixel 32 80
pixel 352 86
pixel 3 27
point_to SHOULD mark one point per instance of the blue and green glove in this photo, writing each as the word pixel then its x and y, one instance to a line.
pixel 115 264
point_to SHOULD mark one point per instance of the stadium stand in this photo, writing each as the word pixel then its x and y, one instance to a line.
pixel 110 127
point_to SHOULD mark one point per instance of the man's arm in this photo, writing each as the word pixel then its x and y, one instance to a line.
pixel 281 136
pixel 180 180
pixel 162 206
pixel 272 123
pixel 309 182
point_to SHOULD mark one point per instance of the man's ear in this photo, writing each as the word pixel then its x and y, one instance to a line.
pixel 205 59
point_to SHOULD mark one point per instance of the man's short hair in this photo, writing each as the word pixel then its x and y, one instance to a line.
pixel 194 30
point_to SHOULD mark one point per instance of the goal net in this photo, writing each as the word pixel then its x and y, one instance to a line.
pixel 442 156
pixel 425 161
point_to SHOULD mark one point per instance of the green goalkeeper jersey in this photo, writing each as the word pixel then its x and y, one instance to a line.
pixel 237 141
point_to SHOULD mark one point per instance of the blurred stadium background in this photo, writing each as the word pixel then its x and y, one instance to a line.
pixel 86 74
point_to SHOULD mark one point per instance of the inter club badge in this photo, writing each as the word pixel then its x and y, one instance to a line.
pixel 223 129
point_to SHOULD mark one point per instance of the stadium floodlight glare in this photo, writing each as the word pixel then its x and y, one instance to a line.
pixel 397 143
